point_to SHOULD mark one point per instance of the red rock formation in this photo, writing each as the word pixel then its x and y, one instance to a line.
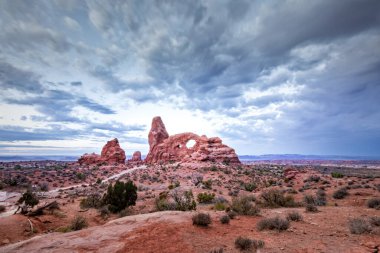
pixel 87 159
pixel 136 157
pixel 157 133
pixel 176 147
pixel 111 153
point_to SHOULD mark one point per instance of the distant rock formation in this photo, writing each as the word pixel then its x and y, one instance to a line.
pixel 111 153
pixel 186 147
pixel 136 157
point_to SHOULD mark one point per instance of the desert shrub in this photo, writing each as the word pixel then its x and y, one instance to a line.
pixel 375 221
pixel 93 200
pixel 340 193
pixel 120 196
pixel 247 244
pixel 184 200
pixel 232 214
pixel 313 178
pixel 78 223
pixel 321 198
pixel 104 212
pixel 196 178
pixel 2 208
pixel 80 176
pixel 219 206
pixel 294 216
pixel 311 208
pixel 217 250
pixel 374 203
pixel 44 187
pixel 276 198
pixel 275 223
pixel 359 226
pixel 207 184
pixel 29 198
pixel 125 212
pixel 250 186
pixel 225 219
pixel 201 219
pixel 205 197
pixel 174 185
pixel 243 205
pixel 309 200
pixel 164 205
pixel 336 175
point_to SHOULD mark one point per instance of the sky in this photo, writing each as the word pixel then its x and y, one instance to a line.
pixel 268 77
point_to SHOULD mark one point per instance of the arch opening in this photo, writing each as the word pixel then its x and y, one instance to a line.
pixel 190 143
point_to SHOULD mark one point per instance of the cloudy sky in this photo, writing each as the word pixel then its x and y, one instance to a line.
pixel 266 76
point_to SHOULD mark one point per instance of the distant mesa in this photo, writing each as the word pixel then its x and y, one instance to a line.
pixel 186 147
pixel 112 153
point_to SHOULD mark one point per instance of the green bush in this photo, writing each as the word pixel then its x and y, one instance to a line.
pixel 184 200
pixel 120 196
pixel 207 184
pixel 78 223
pixel 243 205
pixel 81 176
pixel 29 198
pixel 248 245
pixel 275 198
pixel 337 175
pixel 275 223
pixel 340 193
pixel 205 197
pixel 250 187
pixel 201 219
pixel 219 206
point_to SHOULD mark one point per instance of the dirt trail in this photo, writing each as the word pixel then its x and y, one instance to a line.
pixel 9 199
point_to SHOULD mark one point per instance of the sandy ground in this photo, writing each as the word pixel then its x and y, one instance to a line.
pixel 324 231
pixel 173 231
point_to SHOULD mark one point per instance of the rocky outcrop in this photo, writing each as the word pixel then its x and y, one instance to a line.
pixel 88 159
pixel 157 133
pixel 111 153
pixel 136 157
pixel 186 147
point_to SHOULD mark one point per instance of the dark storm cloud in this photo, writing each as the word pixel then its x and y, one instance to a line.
pixel 15 78
pixel 12 133
pixel 280 68
pixel 59 104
